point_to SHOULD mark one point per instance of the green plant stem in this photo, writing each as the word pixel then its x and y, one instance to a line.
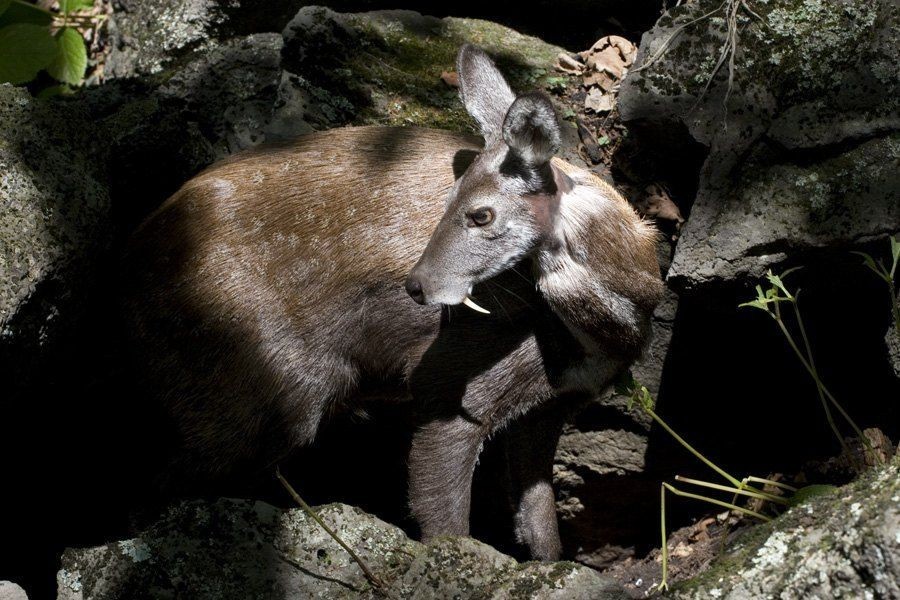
pixel 691 449
pixel 784 486
pixel 315 517
pixel 862 438
pixel 721 503
pixel 663 585
pixel 811 367
pixel 724 488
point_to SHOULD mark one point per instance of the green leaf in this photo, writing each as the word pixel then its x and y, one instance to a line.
pixel 25 49
pixel 71 59
pixel 603 141
pixel 776 281
pixel 811 491
pixel 69 6
pixel 4 4
pixel 22 12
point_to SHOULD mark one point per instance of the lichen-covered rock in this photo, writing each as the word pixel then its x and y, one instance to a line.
pixel 245 549
pixel 809 100
pixel 385 67
pixel 53 226
pixel 778 206
pixel 845 544
pixel 148 37
pixel 11 591
pixel 230 90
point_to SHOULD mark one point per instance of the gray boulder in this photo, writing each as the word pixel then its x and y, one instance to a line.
pixel 147 38
pixel 11 591
pixel 845 544
pixel 777 207
pixel 800 135
pixel 384 67
pixel 244 549
pixel 54 224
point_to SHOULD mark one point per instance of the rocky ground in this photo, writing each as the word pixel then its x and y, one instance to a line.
pixel 788 159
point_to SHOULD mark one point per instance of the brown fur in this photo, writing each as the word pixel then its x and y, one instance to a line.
pixel 268 293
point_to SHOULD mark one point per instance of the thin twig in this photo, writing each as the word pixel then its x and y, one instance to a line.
pixel 315 517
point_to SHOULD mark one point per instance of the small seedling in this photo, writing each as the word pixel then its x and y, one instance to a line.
pixel 889 276
pixel 638 395
pixel 770 301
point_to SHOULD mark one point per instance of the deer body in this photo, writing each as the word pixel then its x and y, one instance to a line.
pixel 269 290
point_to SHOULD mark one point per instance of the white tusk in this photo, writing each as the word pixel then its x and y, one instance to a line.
pixel 471 304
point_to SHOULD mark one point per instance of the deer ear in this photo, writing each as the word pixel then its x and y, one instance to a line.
pixel 531 129
pixel 483 90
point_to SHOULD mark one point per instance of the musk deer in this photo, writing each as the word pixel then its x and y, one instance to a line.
pixel 268 291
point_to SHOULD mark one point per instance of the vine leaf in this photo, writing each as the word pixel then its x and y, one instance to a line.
pixel 70 6
pixel 71 58
pixel 23 12
pixel 4 4
pixel 25 49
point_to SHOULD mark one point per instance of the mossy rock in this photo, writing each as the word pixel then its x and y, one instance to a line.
pixel 777 208
pixel 844 544
pixel 385 67
pixel 813 71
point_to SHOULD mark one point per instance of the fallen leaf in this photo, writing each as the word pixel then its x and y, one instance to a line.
pixel 610 57
pixel 656 202
pixel 567 64
pixel 604 80
pixel 599 102
pixel 451 78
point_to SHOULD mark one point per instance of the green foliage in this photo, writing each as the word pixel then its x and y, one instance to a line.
pixel 23 12
pixel 888 276
pixel 71 57
pixel 770 301
pixel 811 491
pixel 25 49
pixel 28 44
pixel 556 84
pixel 70 6
pixel 638 394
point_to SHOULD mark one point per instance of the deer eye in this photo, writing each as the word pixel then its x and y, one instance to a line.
pixel 481 217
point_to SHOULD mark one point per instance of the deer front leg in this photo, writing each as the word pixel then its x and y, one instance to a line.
pixel 441 462
pixel 531 445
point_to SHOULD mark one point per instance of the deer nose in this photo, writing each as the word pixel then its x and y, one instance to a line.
pixel 414 289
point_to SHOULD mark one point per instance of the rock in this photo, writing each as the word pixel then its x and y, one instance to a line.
pixel 11 591
pixel 845 544
pixel 147 38
pixel 385 67
pixel 800 157
pixel 892 341
pixel 778 207
pixel 230 91
pixel 54 226
pixel 244 549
